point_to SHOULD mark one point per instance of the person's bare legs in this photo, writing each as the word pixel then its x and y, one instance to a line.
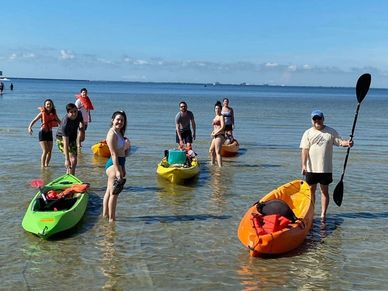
pixel 43 145
pixel 324 200
pixel 49 149
pixel 212 152
pixel 217 147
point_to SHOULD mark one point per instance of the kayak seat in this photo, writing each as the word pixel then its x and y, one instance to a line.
pixel 58 204
pixel 276 206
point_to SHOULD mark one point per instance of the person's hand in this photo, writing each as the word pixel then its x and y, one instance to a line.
pixel 350 143
pixel 194 136
pixel 30 130
pixel 118 175
pixel 304 171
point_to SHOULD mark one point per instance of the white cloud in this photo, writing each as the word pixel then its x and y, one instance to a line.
pixel 105 61
pixel 140 62
pixel 270 65
pixel 66 55
pixel 292 68
pixel 22 55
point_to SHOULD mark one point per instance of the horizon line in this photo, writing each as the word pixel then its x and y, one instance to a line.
pixel 210 84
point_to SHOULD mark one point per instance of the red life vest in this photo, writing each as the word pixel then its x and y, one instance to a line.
pixel 49 120
pixel 269 223
pixel 86 103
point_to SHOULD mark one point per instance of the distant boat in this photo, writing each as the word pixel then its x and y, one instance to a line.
pixel 3 78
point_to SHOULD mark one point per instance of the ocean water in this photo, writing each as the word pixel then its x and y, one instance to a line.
pixel 184 237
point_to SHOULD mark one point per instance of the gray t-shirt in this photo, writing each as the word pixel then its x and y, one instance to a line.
pixel 183 119
pixel 69 127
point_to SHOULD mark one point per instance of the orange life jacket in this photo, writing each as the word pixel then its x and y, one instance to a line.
pixel 76 188
pixel 49 120
pixel 86 102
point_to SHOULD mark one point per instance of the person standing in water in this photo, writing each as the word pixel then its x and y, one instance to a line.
pixel 228 114
pixel 84 104
pixel 183 119
pixel 71 126
pixel 115 166
pixel 218 135
pixel 317 155
pixel 49 118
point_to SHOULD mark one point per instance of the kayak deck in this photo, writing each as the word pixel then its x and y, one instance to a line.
pixel 45 218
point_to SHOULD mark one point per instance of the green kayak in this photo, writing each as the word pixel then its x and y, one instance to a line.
pixel 45 217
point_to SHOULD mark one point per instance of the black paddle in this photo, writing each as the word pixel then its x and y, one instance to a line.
pixel 362 88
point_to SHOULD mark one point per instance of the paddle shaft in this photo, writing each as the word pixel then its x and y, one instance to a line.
pixel 351 139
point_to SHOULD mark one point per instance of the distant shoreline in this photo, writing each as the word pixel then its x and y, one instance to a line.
pixel 210 85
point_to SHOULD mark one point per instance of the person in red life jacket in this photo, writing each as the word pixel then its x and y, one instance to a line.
pixel 49 119
pixel 84 105
pixel 72 124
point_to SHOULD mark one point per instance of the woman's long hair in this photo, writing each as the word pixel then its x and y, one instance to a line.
pixel 52 106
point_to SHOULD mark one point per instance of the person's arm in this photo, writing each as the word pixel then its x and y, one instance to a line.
pixel 304 157
pixel 232 114
pixel 177 129
pixel 57 118
pixel 66 151
pixel 112 144
pixel 222 127
pixel 194 126
pixel 33 122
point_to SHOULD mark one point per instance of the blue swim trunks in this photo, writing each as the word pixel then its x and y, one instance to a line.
pixel 109 162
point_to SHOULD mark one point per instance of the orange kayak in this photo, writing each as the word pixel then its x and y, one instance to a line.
pixel 230 150
pixel 297 197
pixel 101 149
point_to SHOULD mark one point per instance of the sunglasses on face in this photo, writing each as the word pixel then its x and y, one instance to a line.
pixel 315 118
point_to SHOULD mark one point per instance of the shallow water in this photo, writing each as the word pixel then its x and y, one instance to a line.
pixel 184 236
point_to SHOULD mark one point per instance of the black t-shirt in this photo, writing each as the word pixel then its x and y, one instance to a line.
pixel 69 127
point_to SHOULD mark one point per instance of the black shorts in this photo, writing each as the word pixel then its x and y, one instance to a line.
pixel 321 178
pixel 228 127
pixel 45 135
pixel 186 135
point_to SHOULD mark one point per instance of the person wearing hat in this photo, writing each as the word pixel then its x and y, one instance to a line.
pixel 317 156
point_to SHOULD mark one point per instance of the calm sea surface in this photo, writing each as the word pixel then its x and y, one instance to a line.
pixel 183 237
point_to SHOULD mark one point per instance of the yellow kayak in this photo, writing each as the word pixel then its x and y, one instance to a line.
pixel 177 172
pixel 297 197
pixel 101 149
pixel 230 150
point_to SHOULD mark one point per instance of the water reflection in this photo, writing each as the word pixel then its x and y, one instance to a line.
pixel 221 184
pixel 167 189
pixel 99 161
pixel 256 274
pixel 109 266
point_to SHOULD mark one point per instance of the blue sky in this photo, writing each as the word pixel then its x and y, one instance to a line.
pixel 324 43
